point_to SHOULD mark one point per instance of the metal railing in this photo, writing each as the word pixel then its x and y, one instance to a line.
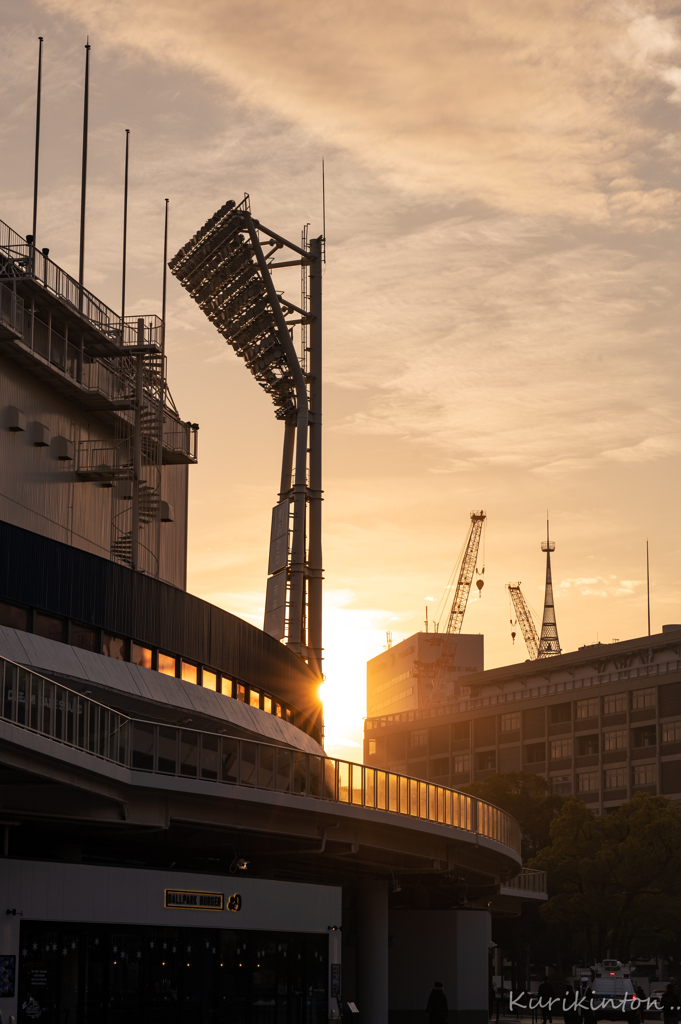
pixel 29 262
pixel 11 309
pixel 529 880
pixel 180 438
pixel 42 706
pixel 531 693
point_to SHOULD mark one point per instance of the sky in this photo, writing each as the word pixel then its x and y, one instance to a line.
pixel 501 299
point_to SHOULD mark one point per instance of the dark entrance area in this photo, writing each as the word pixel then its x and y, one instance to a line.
pixel 114 974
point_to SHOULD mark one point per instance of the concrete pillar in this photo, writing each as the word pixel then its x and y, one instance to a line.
pixel 450 946
pixel 371 916
pixel 335 977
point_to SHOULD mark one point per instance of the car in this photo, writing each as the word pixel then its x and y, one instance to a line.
pixel 613 993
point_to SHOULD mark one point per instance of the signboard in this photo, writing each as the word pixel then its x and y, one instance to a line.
pixel 279 538
pixel 275 606
pixel 187 899
pixel 183 899
pixel 335 981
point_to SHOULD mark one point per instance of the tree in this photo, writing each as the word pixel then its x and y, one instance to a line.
pixel 528 798
pixel 615 880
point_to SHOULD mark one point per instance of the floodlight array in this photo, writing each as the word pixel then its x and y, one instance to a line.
pixel 219 269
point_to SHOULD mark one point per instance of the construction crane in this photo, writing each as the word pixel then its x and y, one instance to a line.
pixel 468 564
pixel 433 676
pixel 524 620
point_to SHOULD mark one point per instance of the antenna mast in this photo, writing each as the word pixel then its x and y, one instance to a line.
pixel 548 641
pixel 648 583
pixel 125 229
pixel 83 183
pixel 37 140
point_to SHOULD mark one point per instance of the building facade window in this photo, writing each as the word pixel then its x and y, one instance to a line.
pixel 561 784
pixel 616 778
pixel 671 732
pixel 254 698
pixel 535 752
pixel 13 616
pixel 587 745
pixel 462 762
pixel 646 736
pixel 190 673
pixel 461 730
pixel 418 737
pixel 643 698
pixel 209 680
pixel 510 722
pixel 615 739
pixel 560 713
pixel 402 695
pixel 614 703
pixel 113 647
pixel 49 626
pixel 587 782
pixel 486 760
pixel 644 775
pixel 560 748
pixel 166 664
pixel 267 704
pixel 587 708
pixel 83 637
pixel 140 655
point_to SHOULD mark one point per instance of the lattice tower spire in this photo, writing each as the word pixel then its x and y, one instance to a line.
pixel 548 641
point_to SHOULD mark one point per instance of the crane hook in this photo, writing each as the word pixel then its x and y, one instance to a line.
pixel 480 584
pixel 513 638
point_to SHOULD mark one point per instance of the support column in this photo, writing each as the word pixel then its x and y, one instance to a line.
pixel 450 946
pixel 137 460
pixel 315 570
pixel 335 966
pixel 371 913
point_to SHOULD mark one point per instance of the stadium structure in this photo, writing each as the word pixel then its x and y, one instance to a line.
pixel 176 845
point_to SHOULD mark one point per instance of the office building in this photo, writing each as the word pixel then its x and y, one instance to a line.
pixel 602 722
pixel 423 669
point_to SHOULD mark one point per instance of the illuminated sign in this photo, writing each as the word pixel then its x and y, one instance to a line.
pixel 182 899
pixel 186 899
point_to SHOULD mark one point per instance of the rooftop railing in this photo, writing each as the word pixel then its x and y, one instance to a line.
pixel 530 693
pixel 11 309
pixel 529 880
pixel 29 262
pixel 42 706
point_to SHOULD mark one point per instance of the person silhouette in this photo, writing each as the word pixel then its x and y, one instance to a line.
pixel 437 1005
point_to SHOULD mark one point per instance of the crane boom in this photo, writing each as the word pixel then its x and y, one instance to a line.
pixel 468 563
pixel 525 620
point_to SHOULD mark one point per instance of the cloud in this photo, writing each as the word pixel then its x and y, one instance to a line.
pixel 600 586
pixel 533 107
pixel 651 448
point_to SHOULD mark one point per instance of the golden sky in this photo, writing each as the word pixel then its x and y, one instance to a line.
pixel 501 291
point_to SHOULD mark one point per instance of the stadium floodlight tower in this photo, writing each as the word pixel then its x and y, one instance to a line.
pixel 227 269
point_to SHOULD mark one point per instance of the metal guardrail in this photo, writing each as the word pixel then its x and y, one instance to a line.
pixel 42 706
pixel 31 263
pixel 529 880
pixel 531 693
pixel 11 309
